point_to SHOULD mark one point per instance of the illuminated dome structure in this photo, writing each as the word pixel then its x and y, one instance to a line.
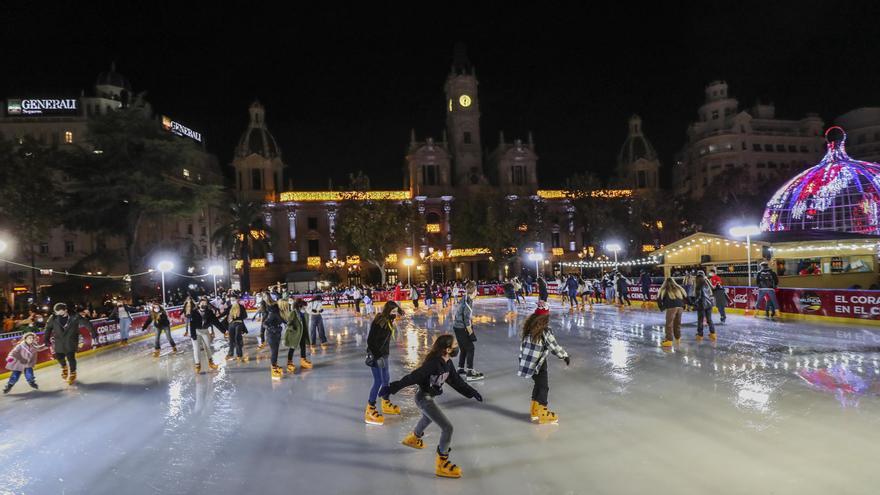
pixel 839 194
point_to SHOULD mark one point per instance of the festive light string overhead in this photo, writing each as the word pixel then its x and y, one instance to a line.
pixel 80 275
pixel 610 264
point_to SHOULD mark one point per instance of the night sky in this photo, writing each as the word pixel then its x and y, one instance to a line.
pixel 343 88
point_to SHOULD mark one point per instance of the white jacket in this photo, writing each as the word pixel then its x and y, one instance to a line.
pixel 316 306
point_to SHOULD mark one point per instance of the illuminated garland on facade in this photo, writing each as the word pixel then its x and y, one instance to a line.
pixel 306 196
pixel 610 264
pixel 830 249
pixel 460 253
pixel 255 263
pixel 432 228
pixel 599 193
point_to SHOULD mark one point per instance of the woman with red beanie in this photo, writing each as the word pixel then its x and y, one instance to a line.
pixel 537 344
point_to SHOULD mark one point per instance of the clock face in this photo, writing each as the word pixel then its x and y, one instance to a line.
pixel 450 104
pixel 464 100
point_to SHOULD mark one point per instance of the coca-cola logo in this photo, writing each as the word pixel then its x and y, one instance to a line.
pixel 809 301
pixel 741 298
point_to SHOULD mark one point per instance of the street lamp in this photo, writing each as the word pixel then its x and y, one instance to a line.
pixel 614 248
pixel 537 258
pixel 215 270
pixel 748 231
pixel 408 263
pixel 2 246
pixel 163 267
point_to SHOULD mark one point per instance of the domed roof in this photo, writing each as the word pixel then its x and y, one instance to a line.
pixel 839 194
pixel 636 145
pixel 256 138
pixel 112 78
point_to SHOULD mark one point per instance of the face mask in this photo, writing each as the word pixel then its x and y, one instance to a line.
pixel 291 302
pixel 203 306
pixel 156 308
pixel 60 313
pixel 454 353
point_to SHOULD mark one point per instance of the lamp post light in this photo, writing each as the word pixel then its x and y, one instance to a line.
pixel 163 267
pixel 537 258
pixel 408 263
pixel 614 248
pixel 748 231
pixel 215 270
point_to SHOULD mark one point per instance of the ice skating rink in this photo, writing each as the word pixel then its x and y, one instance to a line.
pixel 771 408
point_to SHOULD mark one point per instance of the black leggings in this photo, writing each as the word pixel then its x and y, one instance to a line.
pixel 167 331
pixel 303 342
pixel 236 339
pixel 466 348
pixel 542 387
pixel 70 358
pixel 274 343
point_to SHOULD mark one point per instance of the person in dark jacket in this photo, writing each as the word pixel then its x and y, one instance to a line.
pixel 767 283
pixel 543 294
pixel 672 299
pixel 379 348
pixel 645 282
pixel 622 289
pixel 273 322
pixel 463 328
pixel 704 302
pixel 720 294
pixel 161 323
pixel 510 295
pixel 234 318
pixel 203 321
pixel 62 331
pixel 436 369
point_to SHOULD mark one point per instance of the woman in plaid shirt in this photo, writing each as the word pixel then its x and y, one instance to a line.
pixel 537 343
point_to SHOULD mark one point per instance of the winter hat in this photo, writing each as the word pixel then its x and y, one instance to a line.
pixel 543 308
pixel 59 307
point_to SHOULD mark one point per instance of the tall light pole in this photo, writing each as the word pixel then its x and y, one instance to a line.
pixel 748 231
pixel 216 270
pixel 536 257
pixel 408 263
pixel 163 267
pixel 614 248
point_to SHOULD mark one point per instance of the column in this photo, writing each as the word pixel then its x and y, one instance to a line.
pixel 291 220
pixel 267 216
pixel 572 244
pixel 447 209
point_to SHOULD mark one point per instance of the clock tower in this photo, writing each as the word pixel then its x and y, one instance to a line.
pixel 463 121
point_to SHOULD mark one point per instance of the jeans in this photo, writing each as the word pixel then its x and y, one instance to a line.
pixel 316 328
pixel 771 302
pixel 673 323
pixel 609 295
pixel 70 357
pixel 431 413
pixel 202 342
pixel 380 378
pixel 721 303
pixel 236 339
pixel 542 387
pixel 15 375
pixel 466 348
pixel 511 305
pixel 167 331
pixel 445 300
pixel 124 327
pixel 274 335
pixel 707 314
pixel 357 309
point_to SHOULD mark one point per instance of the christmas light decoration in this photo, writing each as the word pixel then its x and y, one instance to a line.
pixel 306 196
pixel 353 260
pixel 461 253
pixel 839 193
pixel 599 193
pixel 611 264
pixel 558 252
pixel 432 228
pixel 313 262
pixel 391 258
pixel 255 263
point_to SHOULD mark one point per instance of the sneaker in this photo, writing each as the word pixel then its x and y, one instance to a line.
pixel 473 375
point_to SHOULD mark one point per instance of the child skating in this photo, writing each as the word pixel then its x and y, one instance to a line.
pixel 436 369
pixel 159 319
pixel 537 343
pixel 21 359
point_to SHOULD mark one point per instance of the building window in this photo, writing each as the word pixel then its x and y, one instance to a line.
pixel 256 179
pixel 743 145
pixel 756 147
pixel 68 247
pixel 68 137
pixel 554 238
pixel 429 175
pixel 804 149
pixel 792 148
pixel 643 182
pixel 204 231
pixel 44 248
pixel 771 164
pixel 314 248
pixel 780 148
pixel 467 138
pixel 762 165
pixel 768 147
pixel 189 229
pixel 204 249
pixel 518 176
pixel 313 225
pixel 714 114
pixel 186 174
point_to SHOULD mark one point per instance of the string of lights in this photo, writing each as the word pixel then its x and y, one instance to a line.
pixel 66 273
pixel 651 260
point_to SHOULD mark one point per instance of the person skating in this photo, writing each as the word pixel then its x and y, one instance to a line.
pixel 767 283
pixel 188 306
pixel 537 343
pixel 22 359
pixel 571 290
pixel 161 323
pixel 378 350
pixel 463 328
pixel 672 298
pixel 203 323
pixel 296 334
pixel 273 323
pixel 704 301
pixel 645 283
pixel 234 317
pixel 316 321
pixel 622 289
pixel 62 331
pixel 260 315
pixel 121 314
pixel 436 369
pixel 719 293
pixel 543 293
pixel 414 296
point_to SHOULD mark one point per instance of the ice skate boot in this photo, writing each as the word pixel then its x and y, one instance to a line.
pixel 413 441
pixel 372 416
pixel 230 357
pixel 473 375
pixel 6 389
pixel 34 385
pixel 261 346
pixel 276 372
pixel 198 368
pixel 174 349
pixel 713 336
pixel 64 372
pixel 212 365
pixel 699 338
pixel 389 408
pixel 535 410
pixel 155 353
pixel 71 379
pixel 666 343
pixel 547 417
pixel 291 368
pixel 446 469
pixel 305 364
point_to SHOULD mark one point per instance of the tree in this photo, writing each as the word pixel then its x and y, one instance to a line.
pixel 375 229
pixel 727 201
pixel 245 235
pixel 29 194
pixel 130 169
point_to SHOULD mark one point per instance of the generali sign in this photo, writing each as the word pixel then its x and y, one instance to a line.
pixel 179 129
pixel 42 106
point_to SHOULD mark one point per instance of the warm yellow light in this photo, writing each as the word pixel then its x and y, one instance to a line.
pixel 313 261
pixel 458 253
pixel 558 252
pixel 344 196
pixel 432 228
pixel 255 263
pixel 523 227
pixel 391 258
pixel 648 248
pixel 353 260
pixel 408 262
pixel 598 193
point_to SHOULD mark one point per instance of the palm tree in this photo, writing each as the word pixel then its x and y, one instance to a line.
pixel 246 235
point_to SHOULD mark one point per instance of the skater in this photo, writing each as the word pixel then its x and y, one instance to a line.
pixel 356 296
pixel 688 283
pixel 260 315
pixel 510 295
pixel 368 303
pixel 273 323
pixel 378 350
pixel 622 289
pixel 296 335
pixel 672 298
pixel 704 302
pixel 234 316
pixel 436 369
pixel 463 328
pixel 645 282
pixel 188 306
pixel 159 319
pixel 571 288
pixel 719 293
pixel 316 320
pixel 543 294
pixel 584 291
pixel 203 323
pixel 518 290
pixel 121 314
pixel 62 331
pixel 608 285
pixel 22 359
pixel 444 296
pixel 767 282
pixel 414 296
pixel 536 345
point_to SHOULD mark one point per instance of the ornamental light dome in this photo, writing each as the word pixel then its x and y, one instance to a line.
pixel 838 194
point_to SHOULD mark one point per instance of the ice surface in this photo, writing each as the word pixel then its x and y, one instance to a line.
pixel 770 408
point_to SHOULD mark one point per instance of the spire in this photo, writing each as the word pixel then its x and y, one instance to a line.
pixel 635 125
pixel 531 142
pixel 501 138
pixel 113 66
pixel 412 137
pixel 258 114
pixel 460 62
